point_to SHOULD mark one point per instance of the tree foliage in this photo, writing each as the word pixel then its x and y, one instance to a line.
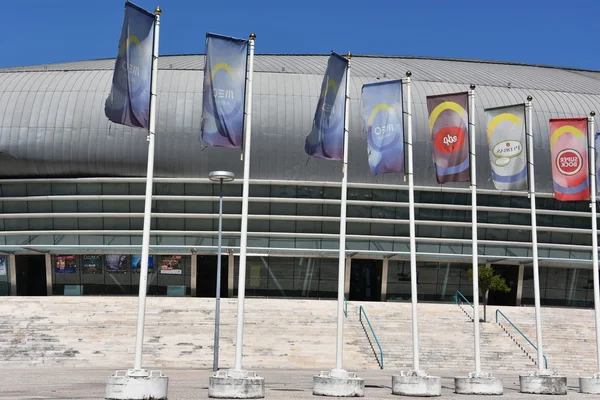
pixel 489 280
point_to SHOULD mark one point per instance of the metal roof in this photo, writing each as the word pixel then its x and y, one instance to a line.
pixel 488 73
pixel 52 122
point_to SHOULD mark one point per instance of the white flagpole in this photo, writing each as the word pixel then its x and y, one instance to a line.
pixel 592 160
pixel 534 244
pixel 339 354
pixel 411 219
pixel 239 343
pixel 139 338
pixel 477 352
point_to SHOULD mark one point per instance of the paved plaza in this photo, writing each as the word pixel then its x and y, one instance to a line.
pixel 80 383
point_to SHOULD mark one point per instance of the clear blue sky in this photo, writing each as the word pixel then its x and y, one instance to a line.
pixel 531 31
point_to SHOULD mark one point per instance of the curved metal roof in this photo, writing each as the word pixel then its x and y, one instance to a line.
pixel 52 119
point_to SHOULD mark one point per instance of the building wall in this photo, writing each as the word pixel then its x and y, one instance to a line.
pixel 293 235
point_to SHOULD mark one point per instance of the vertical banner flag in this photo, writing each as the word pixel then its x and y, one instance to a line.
pixel 568 146
pixel 224 91
pixel 506 140
pixel 449 126
pixel 326 138
pixel 129 100
pixel 383 116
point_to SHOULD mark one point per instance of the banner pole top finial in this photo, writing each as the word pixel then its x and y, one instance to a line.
pixel 157 11
pixel 593 114
pixel 349 55
pixel 472 87
pixel 408 74
pixel 529 98
pixel 252 36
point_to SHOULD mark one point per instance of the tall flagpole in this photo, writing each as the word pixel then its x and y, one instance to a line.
pixel 339 354
pixel 477 352
pixel 592 160
pixel 534 244
pixel 139 338
pixel 411 218
pixel 239 343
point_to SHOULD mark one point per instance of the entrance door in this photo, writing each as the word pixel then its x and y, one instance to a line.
pixel 510 273
pixel 31 275
pixel 206 276
pixel 365 280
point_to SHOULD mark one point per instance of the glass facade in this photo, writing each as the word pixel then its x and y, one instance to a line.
pixel 118 274
pixel 560 287
pixel 435 281
pixel 4 276
pixel 289 277
pixel 292 236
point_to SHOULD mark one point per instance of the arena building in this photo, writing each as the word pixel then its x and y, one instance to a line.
pixel 72 188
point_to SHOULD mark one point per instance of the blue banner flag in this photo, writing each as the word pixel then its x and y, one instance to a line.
pixel 326 138
pixel 224 91
pixel 384 127
pixel 129 99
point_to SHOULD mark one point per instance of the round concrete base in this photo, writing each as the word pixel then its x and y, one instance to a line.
pixel 590 385
pixel 338 384
pixel 543 384
pixel 137 385
pixel 416 385
pixel 236 385
pixel 481 385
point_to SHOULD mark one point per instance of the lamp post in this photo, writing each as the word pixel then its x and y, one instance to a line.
pixel 219 176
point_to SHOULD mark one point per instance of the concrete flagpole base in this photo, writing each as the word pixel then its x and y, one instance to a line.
pixel 338 383
pixel 590 385
pixel 480 383
pixel 543 382
pixel 137 385
pixel 417 384
pixel 233 384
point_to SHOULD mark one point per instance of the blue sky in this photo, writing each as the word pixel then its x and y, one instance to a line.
pixel 530 31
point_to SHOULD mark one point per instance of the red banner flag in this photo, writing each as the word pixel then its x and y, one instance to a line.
pixel 449 127
pixel 568 146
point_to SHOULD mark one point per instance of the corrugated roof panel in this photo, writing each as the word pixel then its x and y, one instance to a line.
pixel 61 128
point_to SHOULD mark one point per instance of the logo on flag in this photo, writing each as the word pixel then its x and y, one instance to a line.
pixel 448 124
pixel 224 91
pixel 569 162
pixel 129 99
pixel 568 145
pixel 506 138
pixel 326 138
pixel 382 112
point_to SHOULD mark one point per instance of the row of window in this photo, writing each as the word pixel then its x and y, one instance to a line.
pixel 304 277
pixel 286 191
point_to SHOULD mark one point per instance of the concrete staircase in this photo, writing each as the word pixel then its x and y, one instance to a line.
pixel 569 337
pixel 100 332
pixel 446 339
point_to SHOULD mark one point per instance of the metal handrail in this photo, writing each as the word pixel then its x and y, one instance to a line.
pixel 522 334
pixel 361 312
pixel 345 307
pixel 463 297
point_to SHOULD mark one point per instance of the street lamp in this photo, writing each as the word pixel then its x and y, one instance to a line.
pixel 219 176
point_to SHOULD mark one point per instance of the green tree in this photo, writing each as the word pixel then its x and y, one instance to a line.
pixel 489 280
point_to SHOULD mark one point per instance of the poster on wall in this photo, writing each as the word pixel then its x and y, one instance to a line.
pixel 66 264
pixel 2 265
pixel 136 263
pixel 117 263
pixel 91 264
pixel 171 265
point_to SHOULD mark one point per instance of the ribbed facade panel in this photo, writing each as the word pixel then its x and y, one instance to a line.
pixel 52 121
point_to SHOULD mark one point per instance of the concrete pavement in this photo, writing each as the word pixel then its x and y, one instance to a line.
pixel 187 384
